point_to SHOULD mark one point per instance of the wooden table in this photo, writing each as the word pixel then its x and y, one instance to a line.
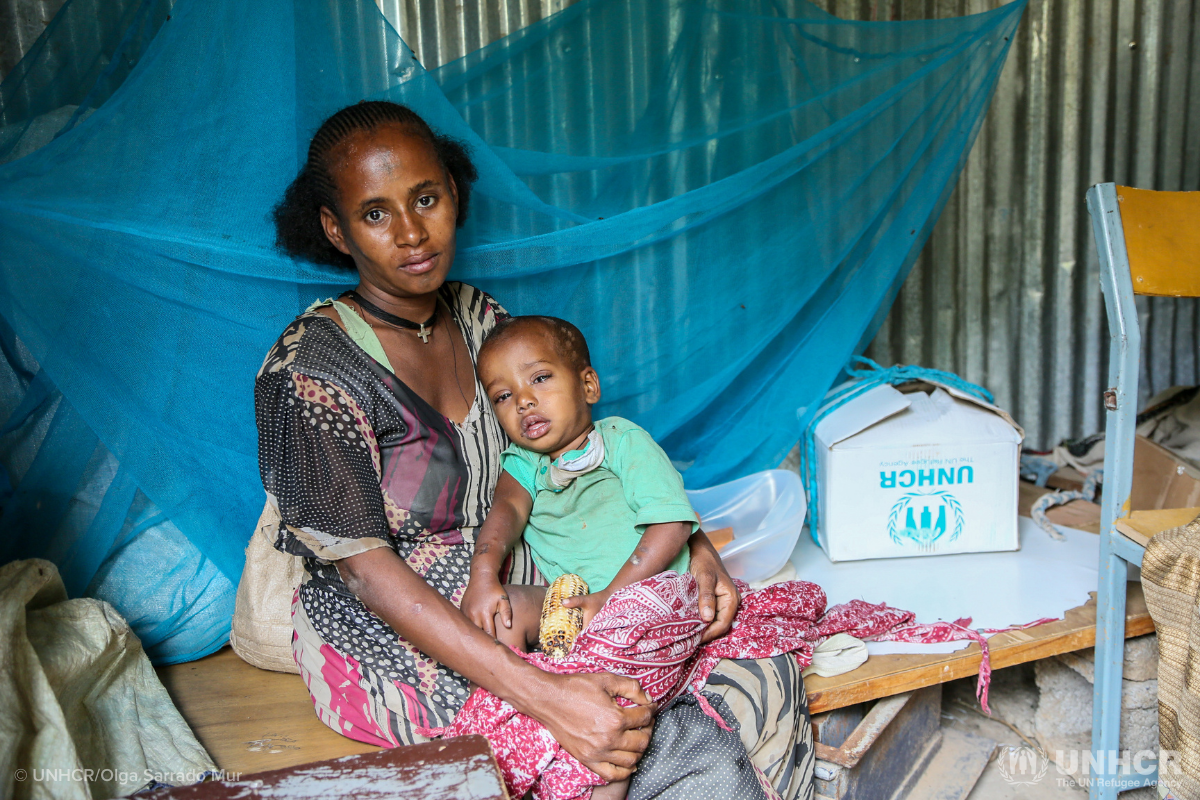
pixel 252 720
pixel 883 676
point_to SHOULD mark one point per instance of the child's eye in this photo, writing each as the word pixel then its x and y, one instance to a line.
pixel 541 378
pixel 500 398
pixel 375 215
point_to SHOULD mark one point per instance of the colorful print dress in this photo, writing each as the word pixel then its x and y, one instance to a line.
pixel 355 460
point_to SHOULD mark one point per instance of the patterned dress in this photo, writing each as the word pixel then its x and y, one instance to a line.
pixel 355 460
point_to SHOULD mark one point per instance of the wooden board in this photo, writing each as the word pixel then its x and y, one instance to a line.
pixel 1161 479
pixel 1079 514
pixel 249 719
pixel 1140 526
pixel 883 676
pixel 456 769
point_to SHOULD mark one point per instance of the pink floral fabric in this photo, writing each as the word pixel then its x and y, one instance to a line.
pixel 651 631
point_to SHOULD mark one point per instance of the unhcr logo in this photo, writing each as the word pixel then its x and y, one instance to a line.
pixel 1022 766
pixel 925 519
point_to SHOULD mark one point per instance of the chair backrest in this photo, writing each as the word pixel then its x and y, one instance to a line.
pixel 1162 239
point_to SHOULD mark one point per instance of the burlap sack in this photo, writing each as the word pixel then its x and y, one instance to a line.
pixel 262 618
pixel 83 713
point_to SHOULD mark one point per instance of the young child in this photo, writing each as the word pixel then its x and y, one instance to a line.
pixel 598 499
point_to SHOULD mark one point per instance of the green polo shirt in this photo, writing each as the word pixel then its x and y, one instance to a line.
pixel 591 526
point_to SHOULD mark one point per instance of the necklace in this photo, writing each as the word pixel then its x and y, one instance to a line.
pixel 424 328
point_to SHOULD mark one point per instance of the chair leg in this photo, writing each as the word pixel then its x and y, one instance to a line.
pixel 1110 658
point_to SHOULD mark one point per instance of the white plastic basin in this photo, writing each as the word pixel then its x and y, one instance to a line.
pixel 766 511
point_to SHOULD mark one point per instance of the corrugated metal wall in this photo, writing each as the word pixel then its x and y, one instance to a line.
pixel 21 22
pixel 1006 292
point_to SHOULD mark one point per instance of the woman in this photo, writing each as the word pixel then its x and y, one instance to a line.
pixel 378 446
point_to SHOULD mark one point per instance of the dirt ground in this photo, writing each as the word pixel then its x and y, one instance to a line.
pixel 1014 697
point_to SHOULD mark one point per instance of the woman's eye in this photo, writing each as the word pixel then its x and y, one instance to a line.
pixel 426 201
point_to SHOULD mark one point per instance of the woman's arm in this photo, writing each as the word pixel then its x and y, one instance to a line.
pixel 579 710
pixel 719 596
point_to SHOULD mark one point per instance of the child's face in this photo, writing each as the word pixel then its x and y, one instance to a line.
pixel 542 403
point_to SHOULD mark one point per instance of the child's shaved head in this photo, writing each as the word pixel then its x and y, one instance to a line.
pixel 568 340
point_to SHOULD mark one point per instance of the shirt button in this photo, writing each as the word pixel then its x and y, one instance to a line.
pixel 543 470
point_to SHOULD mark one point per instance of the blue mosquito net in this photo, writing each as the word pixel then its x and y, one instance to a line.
pixel 725 195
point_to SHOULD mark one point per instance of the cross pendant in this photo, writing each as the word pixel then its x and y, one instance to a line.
pixel 424 334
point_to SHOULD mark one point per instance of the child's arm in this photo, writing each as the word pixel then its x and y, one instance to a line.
pixel 659 546
pixel 485 597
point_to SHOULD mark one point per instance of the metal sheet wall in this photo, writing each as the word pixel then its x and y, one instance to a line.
pixel 1005 293
pixel 21 22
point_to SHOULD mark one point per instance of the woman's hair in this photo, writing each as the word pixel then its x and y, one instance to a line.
pixel 298 229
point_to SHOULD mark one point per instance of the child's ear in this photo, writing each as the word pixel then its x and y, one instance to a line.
pixel 591 385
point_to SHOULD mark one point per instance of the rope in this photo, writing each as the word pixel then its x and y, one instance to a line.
pixel 1061 497
pixel 869 375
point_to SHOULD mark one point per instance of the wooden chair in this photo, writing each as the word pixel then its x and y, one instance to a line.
pixel 1149 244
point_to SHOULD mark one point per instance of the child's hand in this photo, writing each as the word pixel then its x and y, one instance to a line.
pixel 483 600
pixel 589 603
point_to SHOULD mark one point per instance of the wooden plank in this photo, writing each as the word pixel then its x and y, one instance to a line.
pixel 456 769
pixel 1161 479
pixel 1078 514
pixel 249 719
pixel 883 676
pixel 1141 526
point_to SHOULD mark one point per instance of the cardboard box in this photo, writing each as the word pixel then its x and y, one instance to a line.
pixel 922 472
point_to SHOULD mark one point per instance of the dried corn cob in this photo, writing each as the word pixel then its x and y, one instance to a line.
pixel 560 625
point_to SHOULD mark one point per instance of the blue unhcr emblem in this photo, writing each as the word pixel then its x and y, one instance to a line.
pixel 925 523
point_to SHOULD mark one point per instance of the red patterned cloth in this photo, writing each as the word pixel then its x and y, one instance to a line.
pixel 650 632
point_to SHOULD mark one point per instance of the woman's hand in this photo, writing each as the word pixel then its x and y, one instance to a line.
pixel 719 596
pixel 579 710
pixel 483 600
pixel 585 719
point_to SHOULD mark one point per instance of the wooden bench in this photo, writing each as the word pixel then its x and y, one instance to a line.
pixel 884 676
pixel 252 720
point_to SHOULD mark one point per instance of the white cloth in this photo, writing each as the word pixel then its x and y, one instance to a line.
pixel 563 472
pixel 80 694
pixel 837 655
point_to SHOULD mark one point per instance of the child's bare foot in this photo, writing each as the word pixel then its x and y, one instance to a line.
pixel 612 791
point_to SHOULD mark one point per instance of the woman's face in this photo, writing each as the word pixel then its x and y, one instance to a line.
pixel 397 209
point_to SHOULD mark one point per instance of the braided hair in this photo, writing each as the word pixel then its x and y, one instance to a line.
pixel 298 229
